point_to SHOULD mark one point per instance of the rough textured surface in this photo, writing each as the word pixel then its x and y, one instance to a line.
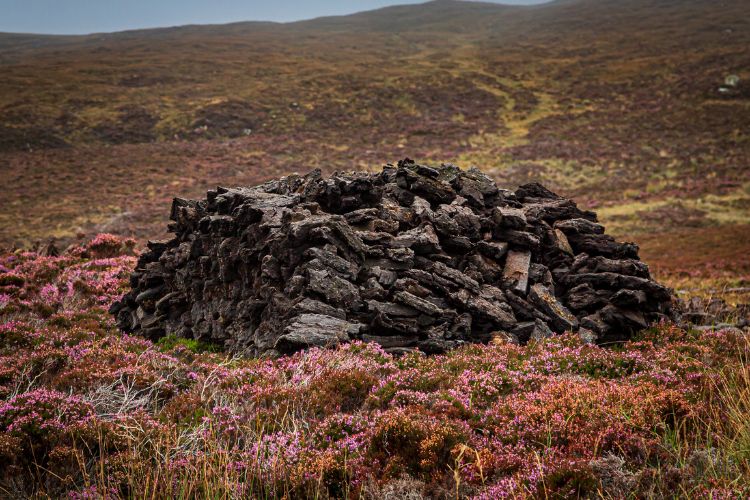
pixel 413 257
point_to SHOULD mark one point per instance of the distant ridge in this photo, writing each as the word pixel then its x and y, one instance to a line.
pixel 434 15
pixel 454 16
pixel 426 15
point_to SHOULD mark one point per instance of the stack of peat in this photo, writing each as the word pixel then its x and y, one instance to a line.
pixel 412 258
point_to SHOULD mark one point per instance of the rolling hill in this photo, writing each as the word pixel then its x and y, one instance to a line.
pixel 615 103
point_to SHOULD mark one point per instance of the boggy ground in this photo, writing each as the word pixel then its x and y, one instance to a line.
pixel 88 412
pixel 617 106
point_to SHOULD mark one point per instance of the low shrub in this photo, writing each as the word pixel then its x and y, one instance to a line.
pixel 91 413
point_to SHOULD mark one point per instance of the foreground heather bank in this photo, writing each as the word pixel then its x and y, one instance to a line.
pixel 92 413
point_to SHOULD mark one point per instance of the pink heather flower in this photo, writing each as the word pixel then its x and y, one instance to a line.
pixel 49 293
pixel 42 411
pixel 93 493
pixel 505 488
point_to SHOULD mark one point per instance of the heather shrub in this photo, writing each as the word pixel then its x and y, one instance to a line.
pixel 89 412
pixel 39 430
pixel 413 443
pixel 11 280
pixel 41 415
pixel 107 245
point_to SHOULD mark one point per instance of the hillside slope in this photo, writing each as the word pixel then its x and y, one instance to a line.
pixel 615 103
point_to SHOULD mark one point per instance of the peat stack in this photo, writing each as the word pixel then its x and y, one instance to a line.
pixel 413 257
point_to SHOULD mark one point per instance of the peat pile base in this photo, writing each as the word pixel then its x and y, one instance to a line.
pixel 413 257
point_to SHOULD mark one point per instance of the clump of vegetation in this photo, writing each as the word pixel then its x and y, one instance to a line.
pixel 171 342
pixel 90 412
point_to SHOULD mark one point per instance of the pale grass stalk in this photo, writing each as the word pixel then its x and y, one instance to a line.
pixel 732 412
pixel 720 440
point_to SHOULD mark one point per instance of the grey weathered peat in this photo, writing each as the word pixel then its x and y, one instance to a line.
pixel 413 257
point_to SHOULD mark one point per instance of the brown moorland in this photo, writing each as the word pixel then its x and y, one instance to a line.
pixel 616 104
